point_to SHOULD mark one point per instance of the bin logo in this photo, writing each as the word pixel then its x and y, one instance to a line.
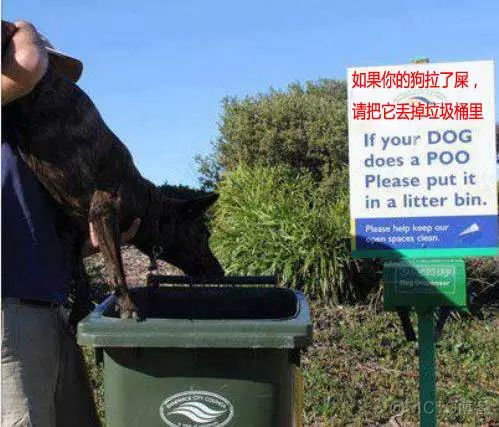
pixel 196 408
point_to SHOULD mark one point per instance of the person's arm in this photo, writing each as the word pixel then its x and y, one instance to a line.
pixel 24 60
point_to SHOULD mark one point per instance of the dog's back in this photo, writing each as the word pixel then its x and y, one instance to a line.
pixel 64 140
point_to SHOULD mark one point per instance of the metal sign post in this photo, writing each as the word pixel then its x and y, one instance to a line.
pixel 427 392
pixel 425 285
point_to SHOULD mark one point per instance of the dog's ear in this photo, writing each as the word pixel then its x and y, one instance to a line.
pixel 194 208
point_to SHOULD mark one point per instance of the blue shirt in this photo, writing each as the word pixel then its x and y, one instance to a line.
pixel 35 263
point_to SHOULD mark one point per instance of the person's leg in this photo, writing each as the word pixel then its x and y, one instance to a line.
pixel 74 403
pixel 29 365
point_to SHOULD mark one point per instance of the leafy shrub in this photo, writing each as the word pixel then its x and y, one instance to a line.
pixel 303 127
pixel 272 220
pixel 297 137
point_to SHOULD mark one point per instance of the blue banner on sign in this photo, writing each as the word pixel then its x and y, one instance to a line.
pixel 426 232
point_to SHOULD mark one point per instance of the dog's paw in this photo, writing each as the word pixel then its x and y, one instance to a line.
pixel 127 308
pixel 126 314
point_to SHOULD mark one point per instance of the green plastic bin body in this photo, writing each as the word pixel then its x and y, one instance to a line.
pixel 203 357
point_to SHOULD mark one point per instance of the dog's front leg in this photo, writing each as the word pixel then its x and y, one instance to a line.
pixel 103 216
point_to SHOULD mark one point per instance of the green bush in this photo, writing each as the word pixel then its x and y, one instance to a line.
pixel 303 127
pixel 272 220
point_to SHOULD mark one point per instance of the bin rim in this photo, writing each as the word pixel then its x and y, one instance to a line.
pixel 99 331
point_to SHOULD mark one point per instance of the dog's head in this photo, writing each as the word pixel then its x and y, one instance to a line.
pixel 184 237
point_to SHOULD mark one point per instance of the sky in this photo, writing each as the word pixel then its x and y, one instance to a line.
pixel 158 69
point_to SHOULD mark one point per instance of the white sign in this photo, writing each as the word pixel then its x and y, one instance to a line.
pixel 423 160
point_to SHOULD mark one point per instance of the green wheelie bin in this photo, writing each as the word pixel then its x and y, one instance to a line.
pixel 203 356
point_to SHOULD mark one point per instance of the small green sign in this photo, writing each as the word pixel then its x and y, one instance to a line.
pixel 424 284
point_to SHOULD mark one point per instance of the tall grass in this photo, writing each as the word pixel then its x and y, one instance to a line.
pixel 271 220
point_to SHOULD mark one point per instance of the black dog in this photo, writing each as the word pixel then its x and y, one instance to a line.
pixel 90 174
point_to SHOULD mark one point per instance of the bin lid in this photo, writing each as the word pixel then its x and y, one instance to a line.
pixel 217 317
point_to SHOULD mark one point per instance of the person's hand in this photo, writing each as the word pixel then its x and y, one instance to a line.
pixel 24 60
pixel 91 245
pixel 8 30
